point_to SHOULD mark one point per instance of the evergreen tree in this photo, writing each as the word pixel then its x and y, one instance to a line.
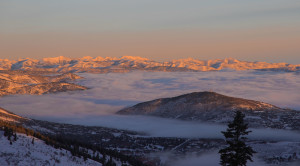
pixel 237 153
pixel 15 137
pixel 103 159
pixel 5 131
pixel 110 162
pixel 97 157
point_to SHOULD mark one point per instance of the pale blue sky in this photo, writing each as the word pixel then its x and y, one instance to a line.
pixel 83 26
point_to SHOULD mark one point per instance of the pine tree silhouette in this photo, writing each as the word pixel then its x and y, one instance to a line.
pixel 237 153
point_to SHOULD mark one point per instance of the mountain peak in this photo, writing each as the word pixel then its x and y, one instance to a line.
pixel 98 58
pixel 59 59
pixel 86 58
pixel 134 58
pixel 231 60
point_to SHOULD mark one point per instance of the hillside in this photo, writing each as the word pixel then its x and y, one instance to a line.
pixel 24 151
pixel 214 107
pixel 22 82
pixel 128 63
pixel 26 141
pixel 10 117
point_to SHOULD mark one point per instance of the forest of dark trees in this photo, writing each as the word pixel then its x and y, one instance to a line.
pixel 77 148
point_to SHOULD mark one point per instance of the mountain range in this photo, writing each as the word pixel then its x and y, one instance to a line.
pixel 214 107
pixel 128 63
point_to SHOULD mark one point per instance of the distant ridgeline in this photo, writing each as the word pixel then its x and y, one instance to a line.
pixel 128 63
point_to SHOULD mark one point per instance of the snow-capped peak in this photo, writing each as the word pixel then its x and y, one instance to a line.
pixel 88 63
pixel 58 59
pixel 134 58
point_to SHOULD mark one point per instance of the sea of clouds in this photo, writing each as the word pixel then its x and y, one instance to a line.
pixel 111 92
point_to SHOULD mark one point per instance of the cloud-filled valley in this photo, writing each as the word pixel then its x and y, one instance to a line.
pixel 112 92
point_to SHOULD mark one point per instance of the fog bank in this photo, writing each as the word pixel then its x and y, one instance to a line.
pixel 114 91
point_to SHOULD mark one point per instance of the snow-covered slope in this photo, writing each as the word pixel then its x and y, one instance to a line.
pixel 47 143
pixel 43 88
pixel 214 107
pixel 125 63
pixel 18 82
pixel 27 150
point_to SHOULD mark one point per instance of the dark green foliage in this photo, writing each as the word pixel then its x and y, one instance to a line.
pixel 103 159
pixel 237 153
pixel 15 137
pixel 9 133
pixel 110 162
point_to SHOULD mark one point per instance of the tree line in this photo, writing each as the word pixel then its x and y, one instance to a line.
pixel 78 149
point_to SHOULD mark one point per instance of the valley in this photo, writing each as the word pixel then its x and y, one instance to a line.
pixel 91 117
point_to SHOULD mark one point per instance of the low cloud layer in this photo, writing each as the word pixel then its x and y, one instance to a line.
pixel 209 159
pixel 114 91
pixel 162 127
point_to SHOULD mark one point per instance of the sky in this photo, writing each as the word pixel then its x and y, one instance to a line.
pixel 256 30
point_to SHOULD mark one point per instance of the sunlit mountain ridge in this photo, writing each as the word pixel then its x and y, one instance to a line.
pixel 23 82
pixel 128 63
